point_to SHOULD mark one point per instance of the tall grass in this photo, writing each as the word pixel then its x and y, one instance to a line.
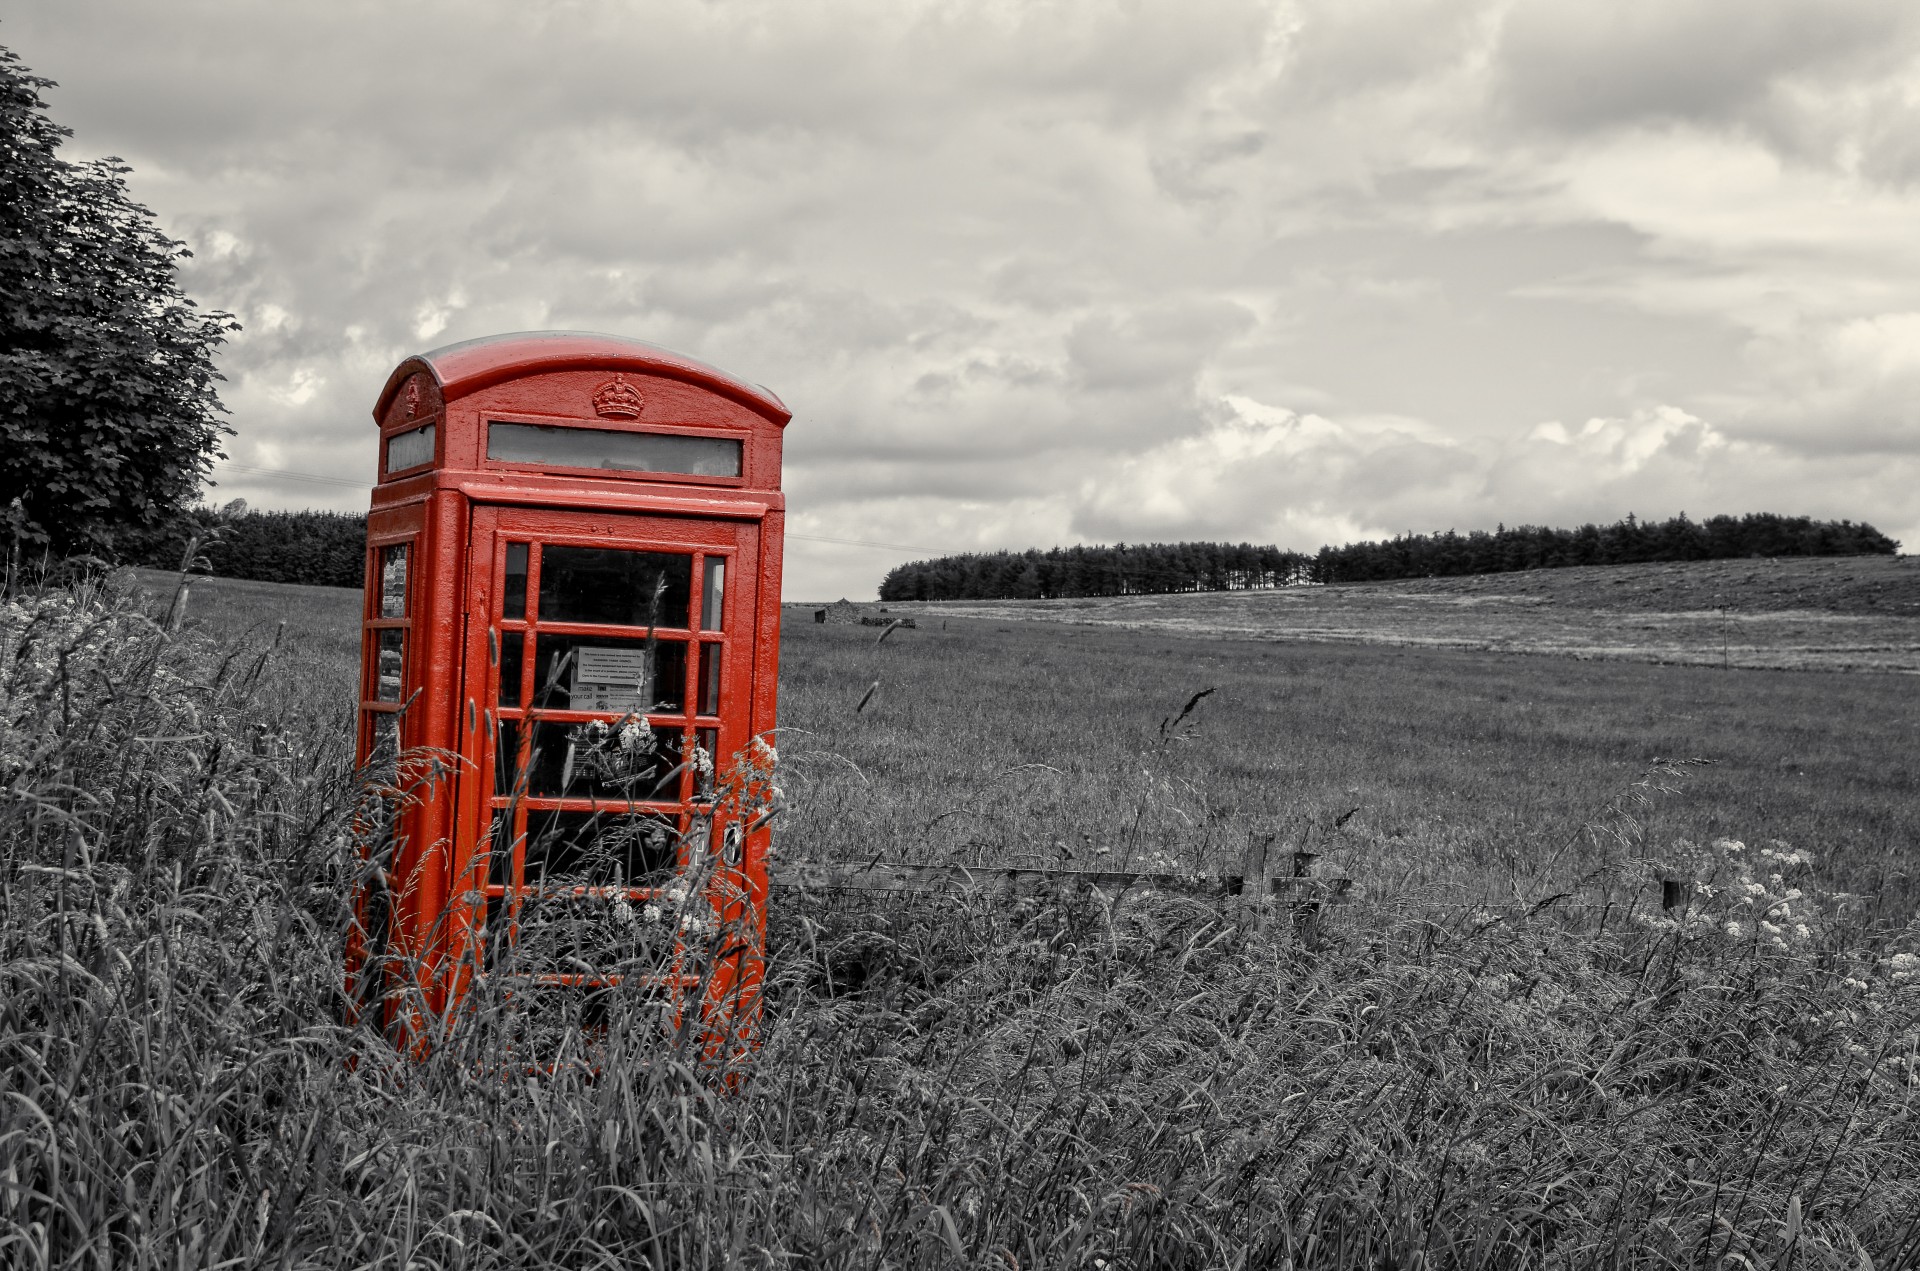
pixel 972 1083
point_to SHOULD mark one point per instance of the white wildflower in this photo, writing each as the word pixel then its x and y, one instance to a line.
pixel 652 913
pixel 1733 929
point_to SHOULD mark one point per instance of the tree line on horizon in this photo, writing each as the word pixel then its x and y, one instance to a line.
pixel 1161 568
pixel 321 549
pixel 328 549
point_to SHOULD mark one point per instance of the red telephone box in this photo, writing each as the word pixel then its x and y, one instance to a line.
pixel 571 629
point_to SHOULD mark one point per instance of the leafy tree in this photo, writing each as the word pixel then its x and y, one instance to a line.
pixel 108 414
pixel 326 549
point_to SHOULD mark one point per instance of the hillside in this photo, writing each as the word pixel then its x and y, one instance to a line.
pixel 1888 585
pixel 1830 613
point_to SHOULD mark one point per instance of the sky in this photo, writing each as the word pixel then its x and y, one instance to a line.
pixel 1046 273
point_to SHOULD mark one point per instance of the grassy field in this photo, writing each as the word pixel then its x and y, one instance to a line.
pixel 1848 613
pixel 1505 1053
pixel 1469 771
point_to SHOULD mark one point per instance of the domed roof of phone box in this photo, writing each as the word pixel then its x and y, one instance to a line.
pixel 472 365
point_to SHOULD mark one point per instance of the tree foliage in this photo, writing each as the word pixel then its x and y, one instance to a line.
pixel 1168 567
pixel 1143 569
pixel 1626 542
pixel 109 417
pixel 322 549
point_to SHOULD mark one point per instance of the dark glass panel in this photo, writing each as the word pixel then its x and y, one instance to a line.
pixel 383 748
pixel 513 592
pixel 506 758
pixel 708 740
pixel 580 761
pixel 710 679
pixel 579 935
pixel 409 449
pixel 614 587
pixel 512 651
pixel 610 674
pixel 393 581
pixel 599 849
pixel 538 444
pixel 713 591
pixel 389 664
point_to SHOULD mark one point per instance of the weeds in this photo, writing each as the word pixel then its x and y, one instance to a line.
pixel 1146 1084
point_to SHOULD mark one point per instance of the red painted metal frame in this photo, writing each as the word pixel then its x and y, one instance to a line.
pixel 456 514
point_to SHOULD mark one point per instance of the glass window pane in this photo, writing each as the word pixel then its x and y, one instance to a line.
pixel 708 741
pixel 713 591
pixel 582 761
pixel 512 645
pixel 384 753
pixel 409 449
pixel 563 932
pixel 599 849
pixel 513 594
pixel 500 845
pixel 393 581
pixel 710 679
pixel 615 587
pixel 506 758
pixel 610 674
pixel 537 444
pixel 389 664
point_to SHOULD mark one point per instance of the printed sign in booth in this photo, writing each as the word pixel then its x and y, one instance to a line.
pixel 571 626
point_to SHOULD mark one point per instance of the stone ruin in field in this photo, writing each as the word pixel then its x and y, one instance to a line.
pixel 846 613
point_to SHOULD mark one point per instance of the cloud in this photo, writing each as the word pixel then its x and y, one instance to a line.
pixel 1575 67
pixel 1849 387
pixel 1036 272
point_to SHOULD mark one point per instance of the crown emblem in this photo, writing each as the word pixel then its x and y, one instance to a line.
pixel 618 399
pixel 413 396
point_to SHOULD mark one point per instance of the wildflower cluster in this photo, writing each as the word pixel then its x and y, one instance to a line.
pixel 747 794
pixel 1880 1013
pixel 744 799
pixel 617 754
pixel 1745 895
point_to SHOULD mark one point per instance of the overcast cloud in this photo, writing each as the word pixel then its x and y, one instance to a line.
pixel 1034 273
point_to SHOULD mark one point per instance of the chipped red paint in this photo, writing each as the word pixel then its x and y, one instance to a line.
pixel 455 511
